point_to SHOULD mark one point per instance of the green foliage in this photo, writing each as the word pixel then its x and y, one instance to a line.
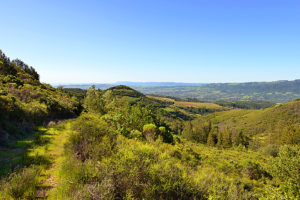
pixel 91 132
pixel 246 104
pixel 27 69
pixel 129 146
pixel 6 68
pixel 13 79
pixel 166 135
pixel 123 90
pixel 212 138
pixel 254 128
pixel 197 131
pixel 286 168
pixel 149 132
pixel 124 167
pixel 224 138
pixel 93 101
pixel 20 185
pixel 291 134
pixel 270 150
pixel 24 100
pixel 136 116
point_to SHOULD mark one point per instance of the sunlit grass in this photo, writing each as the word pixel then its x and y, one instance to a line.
pixel 199 105
pixel 42 151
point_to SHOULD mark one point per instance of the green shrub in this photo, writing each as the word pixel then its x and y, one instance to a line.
pixel 271 150
pixel 286 168
pixel 22 184
pixel 149 132
pixel 135 134
pixel 93 139
pixel 166 135
pixel 13 79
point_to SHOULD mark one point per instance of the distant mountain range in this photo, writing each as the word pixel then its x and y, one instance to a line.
pixel 276 91
pixel 129 83
pixel 157 84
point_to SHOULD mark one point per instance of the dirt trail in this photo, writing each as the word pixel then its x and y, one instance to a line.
pixel 54 150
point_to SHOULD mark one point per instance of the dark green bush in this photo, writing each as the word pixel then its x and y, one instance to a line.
pixel 13 79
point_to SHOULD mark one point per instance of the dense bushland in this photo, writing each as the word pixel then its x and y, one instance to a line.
pixel 255 129
pixel 124 150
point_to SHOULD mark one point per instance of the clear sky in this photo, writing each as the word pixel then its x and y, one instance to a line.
pixel 99 41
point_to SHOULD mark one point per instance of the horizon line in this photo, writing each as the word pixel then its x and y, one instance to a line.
pixel 116 82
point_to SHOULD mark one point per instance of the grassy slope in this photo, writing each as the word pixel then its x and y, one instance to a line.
pixel 258 123
pixel 186 103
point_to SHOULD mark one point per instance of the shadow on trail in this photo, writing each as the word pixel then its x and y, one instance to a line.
pixel 18 154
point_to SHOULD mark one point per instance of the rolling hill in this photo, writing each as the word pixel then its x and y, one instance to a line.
pixel 276 91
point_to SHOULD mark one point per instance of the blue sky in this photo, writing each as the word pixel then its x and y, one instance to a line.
pixel 154 40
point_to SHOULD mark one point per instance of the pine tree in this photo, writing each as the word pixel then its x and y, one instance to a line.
pixel 220 139
pixel 212 137
pixel 227 142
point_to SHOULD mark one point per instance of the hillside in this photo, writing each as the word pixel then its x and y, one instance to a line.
pixel 134 151
pixel 26 102
pixel 119 143
pixel 279 124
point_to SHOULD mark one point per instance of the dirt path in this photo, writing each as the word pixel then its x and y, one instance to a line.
pixel 49 177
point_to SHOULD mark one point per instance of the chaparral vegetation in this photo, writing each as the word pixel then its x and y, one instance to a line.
pixel 118 143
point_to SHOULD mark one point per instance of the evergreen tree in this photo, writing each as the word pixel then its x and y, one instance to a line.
pixel 220 139
pixel 290 135
pixel 226 143
pixel 238 138
pixel 6 68
pixel 212 137
pixel 187 130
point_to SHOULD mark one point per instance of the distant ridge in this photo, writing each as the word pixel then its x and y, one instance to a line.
pixel 157 84
pixel 276 91
pixel 129 83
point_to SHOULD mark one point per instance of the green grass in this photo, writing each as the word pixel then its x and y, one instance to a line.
pixel 40 157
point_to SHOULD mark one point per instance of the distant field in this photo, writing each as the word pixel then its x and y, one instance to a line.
pixel 199 105
pixel 161 98
pixel 189 104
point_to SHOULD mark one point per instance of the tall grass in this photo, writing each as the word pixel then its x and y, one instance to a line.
pixel 20 185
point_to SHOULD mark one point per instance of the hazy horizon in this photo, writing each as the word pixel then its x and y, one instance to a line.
pixel 116 82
